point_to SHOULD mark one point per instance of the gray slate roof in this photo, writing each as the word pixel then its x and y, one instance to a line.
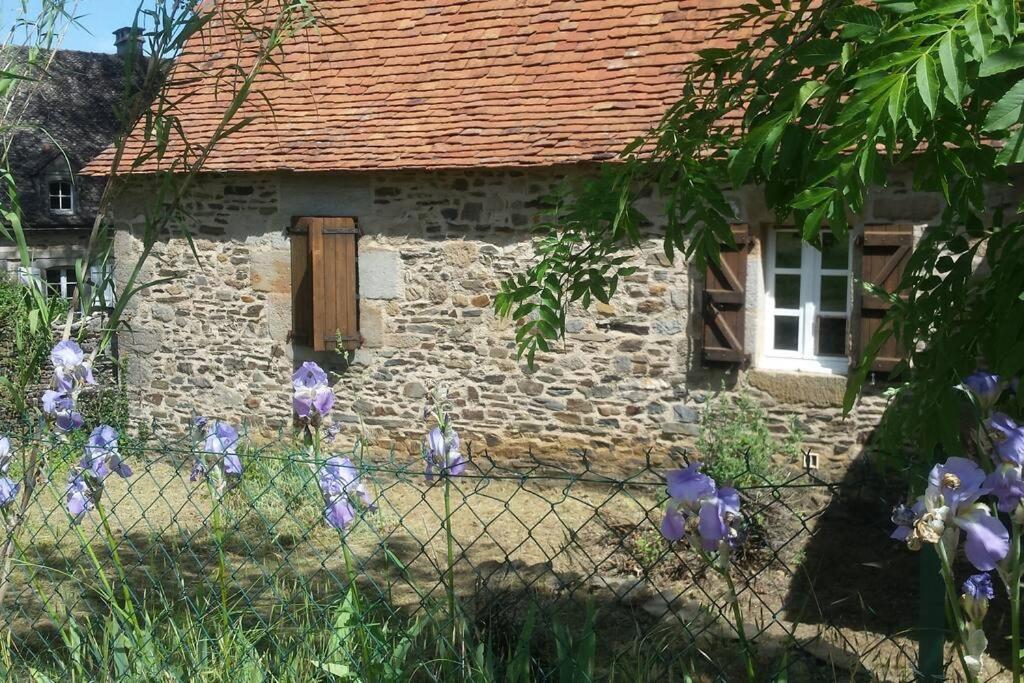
pixel 70 116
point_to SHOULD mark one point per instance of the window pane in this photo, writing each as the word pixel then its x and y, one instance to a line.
pixel 833 293
pixel 835 254
pixel 787 333
pixel 787 291
pixel 788 246
pixel 831 336
pixel 54 201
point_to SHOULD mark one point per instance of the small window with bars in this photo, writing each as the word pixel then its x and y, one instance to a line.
pixel 62 196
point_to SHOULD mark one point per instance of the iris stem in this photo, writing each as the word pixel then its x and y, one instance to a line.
pixel 450 575
pixel 954 608
pixel 1014 589
pixel 222 570
pixel 129 604
pixel 737 614
pixel 353 591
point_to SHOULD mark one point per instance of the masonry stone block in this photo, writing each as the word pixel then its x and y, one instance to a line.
pixel 380 273
pixel 270 271
pixel 372 324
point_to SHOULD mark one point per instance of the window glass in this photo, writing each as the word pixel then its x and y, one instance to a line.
pixel 831 336
pixel 61 282
pixel 833 293
pixel 787 291
pixel 787 333
pixel 835 254
pixel 809 290
pixel 60 195
pixel 788 249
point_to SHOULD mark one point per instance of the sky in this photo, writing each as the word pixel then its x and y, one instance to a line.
pixel 97 20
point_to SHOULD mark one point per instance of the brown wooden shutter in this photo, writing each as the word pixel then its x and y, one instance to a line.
pixel 885 251
pixel 725 289
pixel 330 298
pixel 302 283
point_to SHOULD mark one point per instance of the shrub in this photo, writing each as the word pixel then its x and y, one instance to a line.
pixel 738 445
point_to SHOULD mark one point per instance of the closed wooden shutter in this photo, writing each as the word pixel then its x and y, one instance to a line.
pixel 302 283
pixel 885 251
pixel 725 291
pixel 324 282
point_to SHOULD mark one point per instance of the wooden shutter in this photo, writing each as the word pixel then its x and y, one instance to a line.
pixel 725 290
pixel 302 283
pixel 325 304
pixel 885 251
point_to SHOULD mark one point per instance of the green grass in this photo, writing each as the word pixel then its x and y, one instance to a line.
pixel 310 641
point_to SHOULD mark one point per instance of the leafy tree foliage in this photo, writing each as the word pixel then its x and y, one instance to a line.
pixel 814 104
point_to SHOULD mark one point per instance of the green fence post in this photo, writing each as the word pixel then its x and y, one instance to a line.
pixel 931 624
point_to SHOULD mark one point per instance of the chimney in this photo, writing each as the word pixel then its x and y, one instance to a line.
pixel 128 41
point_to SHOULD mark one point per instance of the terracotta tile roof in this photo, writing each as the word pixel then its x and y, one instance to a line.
pixel 394 84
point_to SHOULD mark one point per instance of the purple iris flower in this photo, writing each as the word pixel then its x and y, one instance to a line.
pixel 221 442
pixel 950 503
pixel 979 586
pixel 313 394
pixel 442 454
pixel 985 386
pixel 690 486
pixel 8 488
pixel 1009 439
pixel 61 406
pixel 70 368
pixel 339 481
pixel 339 513
pixel 217 452
pixel 79 497
pixel 1007 485
pixel 977 591
pixel 102 457
pixel 697 505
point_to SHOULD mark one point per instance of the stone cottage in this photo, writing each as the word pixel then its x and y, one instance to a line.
pixel 367 220
pixel 67 115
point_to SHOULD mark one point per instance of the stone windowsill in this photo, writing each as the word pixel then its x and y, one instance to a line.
pixel 799 387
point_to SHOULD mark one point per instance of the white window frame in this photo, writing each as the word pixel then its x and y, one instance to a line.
pixel 59 181
pixel 803 359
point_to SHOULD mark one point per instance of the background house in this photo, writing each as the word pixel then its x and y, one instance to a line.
pixel 393 188
pixel 67 114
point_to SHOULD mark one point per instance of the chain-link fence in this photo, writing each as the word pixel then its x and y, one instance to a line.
pixel 533 570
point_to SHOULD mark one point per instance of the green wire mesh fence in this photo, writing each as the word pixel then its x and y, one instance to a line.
pixel 532 570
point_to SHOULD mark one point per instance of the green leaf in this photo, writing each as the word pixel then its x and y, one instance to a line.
pixel 1002 61
pixel 898 98
pixel 1013 151
pixel 1007 110
pixel 745 157
pixel 812 197
pixel 952 68
pixel 858 20
pixel 1004 15
pixel 927 78
pixel 806 92
pixel 978 32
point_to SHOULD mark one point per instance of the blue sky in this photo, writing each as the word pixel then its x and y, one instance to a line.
pixel 97 20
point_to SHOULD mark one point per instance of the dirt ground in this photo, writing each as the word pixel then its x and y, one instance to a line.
pixel 823 592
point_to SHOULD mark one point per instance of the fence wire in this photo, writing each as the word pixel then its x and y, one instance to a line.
pixel 541 570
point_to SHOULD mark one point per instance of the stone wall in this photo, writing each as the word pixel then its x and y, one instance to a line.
pixel 436 246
